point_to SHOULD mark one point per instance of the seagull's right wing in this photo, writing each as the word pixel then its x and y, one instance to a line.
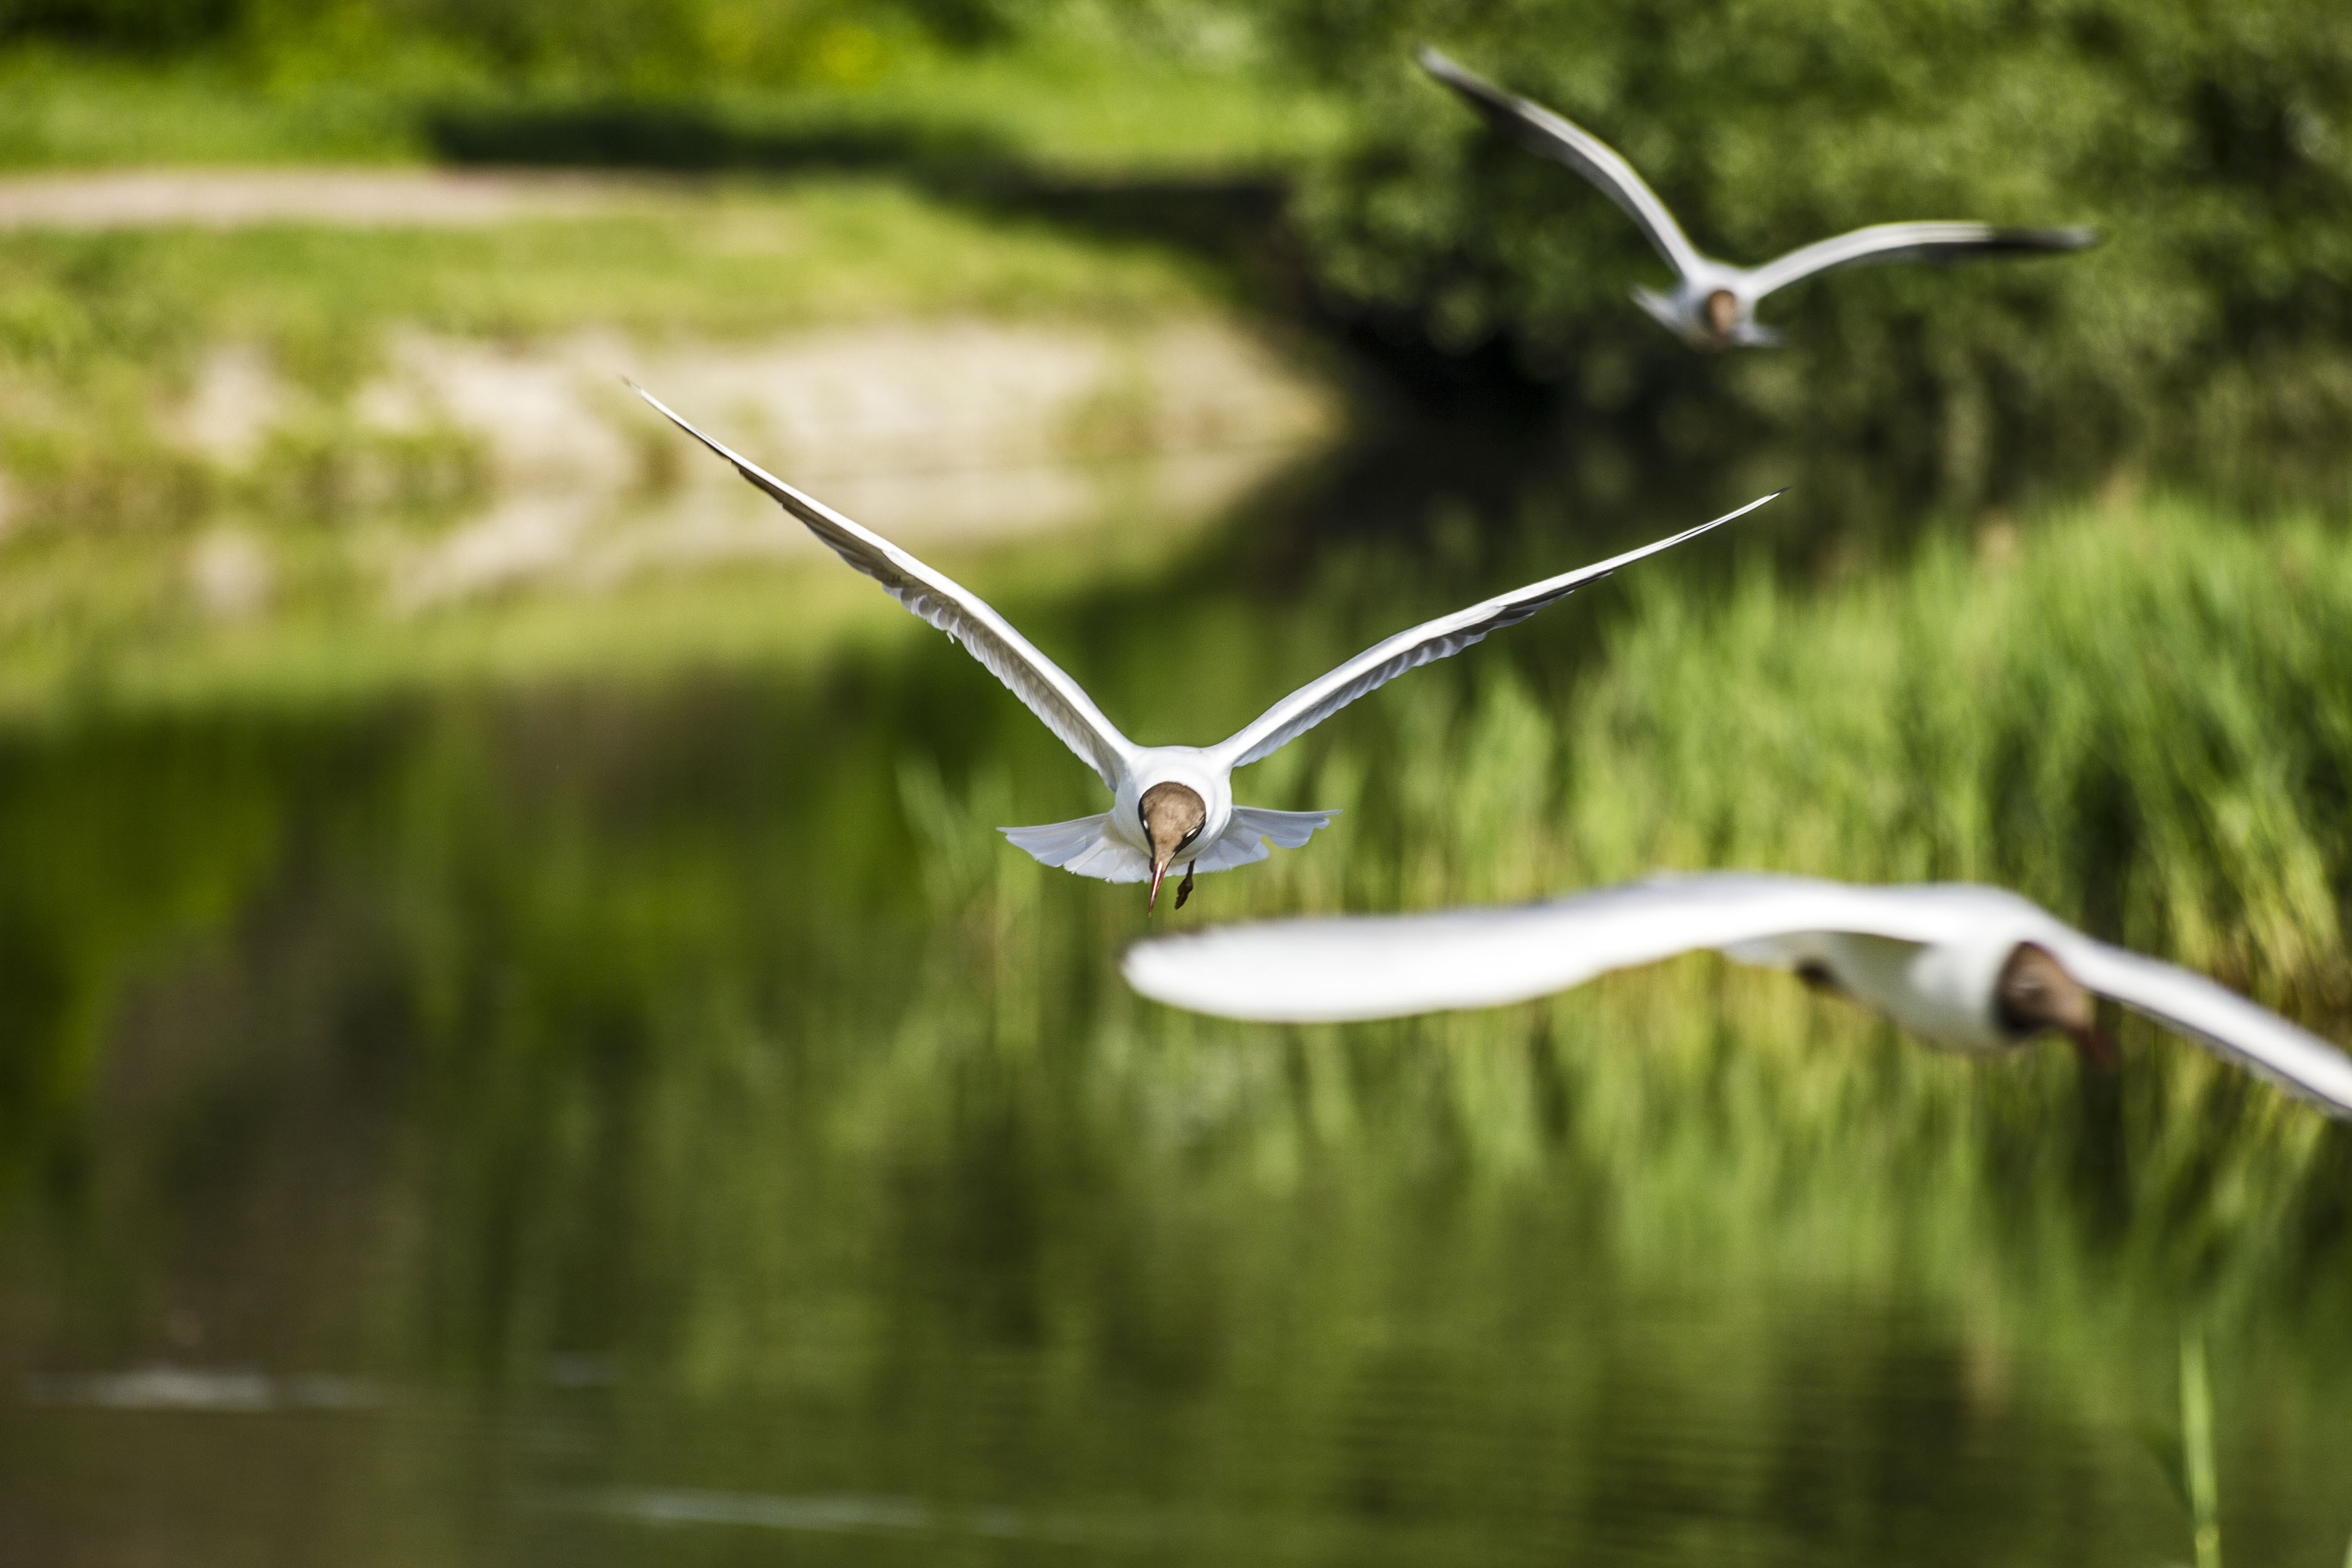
pixel 1548 135
pixel 1909 242
pixel 1441 639
pixel 1385 966
pixel 956 610
pixel 2218 1018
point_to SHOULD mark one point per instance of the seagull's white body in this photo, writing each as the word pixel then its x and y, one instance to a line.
pixel 1927 956
pixel 1690 310
pixel 1113 845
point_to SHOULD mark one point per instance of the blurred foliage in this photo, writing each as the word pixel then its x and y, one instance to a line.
pixel 625 43
pixel 614 45
pixel 2209 331
pixel 1133 91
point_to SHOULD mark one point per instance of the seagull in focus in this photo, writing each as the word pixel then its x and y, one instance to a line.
pixel 1712 303
pixel 1170 805
pixel 1970 969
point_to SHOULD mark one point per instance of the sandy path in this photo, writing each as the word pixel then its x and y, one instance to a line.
pixel 135 198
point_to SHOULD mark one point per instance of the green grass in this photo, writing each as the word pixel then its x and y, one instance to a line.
pixel 1107 105
pixel 78 308
pixel 60 110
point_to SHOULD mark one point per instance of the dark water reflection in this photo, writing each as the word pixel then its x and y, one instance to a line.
pixel 610 1126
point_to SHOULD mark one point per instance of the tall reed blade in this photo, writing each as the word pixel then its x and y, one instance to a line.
pixel 2197 1446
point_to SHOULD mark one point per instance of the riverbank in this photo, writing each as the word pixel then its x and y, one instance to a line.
pixel 390 442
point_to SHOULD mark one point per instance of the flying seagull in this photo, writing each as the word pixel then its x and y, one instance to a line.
pixel 1712 303
pixel 1170 804
pixel 1971 969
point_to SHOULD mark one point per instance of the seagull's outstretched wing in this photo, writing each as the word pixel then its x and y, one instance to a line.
pixel 1377 666
pixel 956 610
pixel 1385 966
pixel 1910 242
pixel 2218 1018
pixel 1548 135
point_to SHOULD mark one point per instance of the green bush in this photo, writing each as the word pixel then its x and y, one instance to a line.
pixel 2211 329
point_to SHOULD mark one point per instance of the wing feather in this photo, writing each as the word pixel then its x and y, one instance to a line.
pixel 956 610
pixel 1385 966
pixel 2222 1020
pixel 1347 968
pixel 1909 242
pixel 1549 135
pixel 1441 639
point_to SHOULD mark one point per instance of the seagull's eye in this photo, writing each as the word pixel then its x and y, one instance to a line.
pixel 1188 837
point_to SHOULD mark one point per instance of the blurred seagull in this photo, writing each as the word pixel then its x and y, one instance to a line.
pixel 1170 804
pixel 1970 969
pixel 1714 304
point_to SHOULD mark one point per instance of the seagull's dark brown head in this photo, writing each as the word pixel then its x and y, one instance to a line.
pixel 1172 818
pixel 2035 992
pixel 1722 315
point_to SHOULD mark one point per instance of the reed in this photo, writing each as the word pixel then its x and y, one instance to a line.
pixel 2197 1471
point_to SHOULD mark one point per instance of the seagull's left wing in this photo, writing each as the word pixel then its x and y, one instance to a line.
pixel 1909 242
pixel 1385 966
pixel 1040 683
pixel 2217 1017
pixel 1551 135
pixel 1383 662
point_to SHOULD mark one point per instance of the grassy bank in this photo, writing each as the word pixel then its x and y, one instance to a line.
pixel 122 351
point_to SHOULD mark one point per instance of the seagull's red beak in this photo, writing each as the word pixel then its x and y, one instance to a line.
pixel 1159 870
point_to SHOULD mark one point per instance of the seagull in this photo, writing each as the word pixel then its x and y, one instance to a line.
pixel 1170 804
pixel 1713 304
pixel 1966 968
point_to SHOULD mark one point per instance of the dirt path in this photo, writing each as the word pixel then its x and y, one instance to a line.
pixel 136 198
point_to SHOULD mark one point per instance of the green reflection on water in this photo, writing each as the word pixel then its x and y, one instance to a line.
pixel 701 1140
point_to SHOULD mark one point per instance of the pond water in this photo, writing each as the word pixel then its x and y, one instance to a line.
pixel 664 1125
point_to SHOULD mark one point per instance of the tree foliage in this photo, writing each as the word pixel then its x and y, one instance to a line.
pixel 2210 145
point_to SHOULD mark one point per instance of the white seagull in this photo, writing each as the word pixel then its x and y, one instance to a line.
pixel 1970 969
pixel 1168 802
pixel 1713 304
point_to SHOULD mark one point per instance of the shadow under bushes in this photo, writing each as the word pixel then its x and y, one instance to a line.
pixel 685 137
pixel 1231 217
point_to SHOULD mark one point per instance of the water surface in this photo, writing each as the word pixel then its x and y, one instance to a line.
pixel 662 1125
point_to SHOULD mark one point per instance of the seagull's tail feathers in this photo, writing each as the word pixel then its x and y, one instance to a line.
pixel 1660 308
pixel 1085 848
